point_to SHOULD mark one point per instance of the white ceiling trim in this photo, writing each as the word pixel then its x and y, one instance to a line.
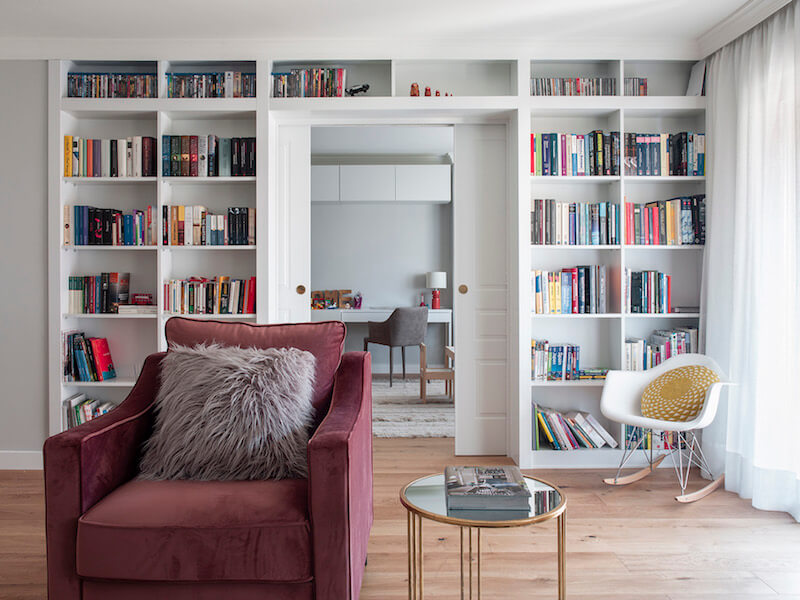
pixel 338 49
pixel 739 22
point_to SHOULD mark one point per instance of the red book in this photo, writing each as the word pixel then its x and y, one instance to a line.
pixel 533 153
pixel 574 273
pixel 251 297
pixel 89 165
pixel 147 157
pixel 193 156
pixel 669 293
pixel 102 359
pixel 563 155
pixel 654 225
pixel 629 224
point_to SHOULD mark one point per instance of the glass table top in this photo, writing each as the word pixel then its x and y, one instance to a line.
pixel 427 497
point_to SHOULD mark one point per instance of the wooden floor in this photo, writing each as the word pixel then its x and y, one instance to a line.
pixel 623 543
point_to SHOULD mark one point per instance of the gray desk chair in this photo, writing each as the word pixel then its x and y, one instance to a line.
pixel 404 327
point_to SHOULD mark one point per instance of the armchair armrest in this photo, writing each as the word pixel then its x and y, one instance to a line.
pixel 84 464
pixel 378 331
pixel 340 482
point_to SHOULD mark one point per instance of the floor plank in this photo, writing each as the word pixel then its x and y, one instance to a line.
pixel 625 543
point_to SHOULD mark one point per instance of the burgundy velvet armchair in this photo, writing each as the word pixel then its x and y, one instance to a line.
pixel 110 535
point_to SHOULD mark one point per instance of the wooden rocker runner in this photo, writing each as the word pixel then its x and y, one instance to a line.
pixel 621 402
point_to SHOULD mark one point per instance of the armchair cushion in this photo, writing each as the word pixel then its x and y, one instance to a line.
pixel 192 531
pixel 324 340
pixel 231 414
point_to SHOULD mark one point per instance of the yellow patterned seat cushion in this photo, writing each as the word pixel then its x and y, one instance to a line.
pixel 678 395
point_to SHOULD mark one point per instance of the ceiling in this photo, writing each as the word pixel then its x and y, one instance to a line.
pixel 560 22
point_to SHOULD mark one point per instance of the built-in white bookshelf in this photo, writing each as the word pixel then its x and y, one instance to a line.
pixel 491 90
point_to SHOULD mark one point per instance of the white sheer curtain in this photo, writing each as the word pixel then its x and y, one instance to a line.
pixel 751 290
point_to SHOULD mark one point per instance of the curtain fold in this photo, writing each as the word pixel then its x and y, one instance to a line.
pixel 750 301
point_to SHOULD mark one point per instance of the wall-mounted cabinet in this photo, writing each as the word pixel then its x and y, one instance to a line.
pixel 381 183
pixel 325 183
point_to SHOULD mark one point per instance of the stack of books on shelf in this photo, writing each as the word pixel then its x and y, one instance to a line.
pixel 641 354
pixel 648 292
pixel 653 439
pixel 207 156
pixel 225 84
pixel 649 154
pixel 636 86
pixel 133 156
pixel 571 154
pixel 219 296
pixel 91 226
pixel 111 85
pixel 98 294
pixel 574 223
pixel 573 86
pixel 79 409
pixel 326 82
pixel 576 290
pixel 554 430
pixel 86 358
pixel 674 222
pixel 559 362
pixel 472 492
pixel 196 226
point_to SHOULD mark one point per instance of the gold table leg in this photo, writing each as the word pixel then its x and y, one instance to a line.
pixel 562 559
pixel 473 548
pixel 419 557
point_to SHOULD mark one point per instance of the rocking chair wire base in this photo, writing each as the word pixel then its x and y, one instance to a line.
pixel 687 452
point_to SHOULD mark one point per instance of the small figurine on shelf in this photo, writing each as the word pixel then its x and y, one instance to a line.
pixel 427 90
pixel 422 300
pixel 361 88
pixel 437 93
pixel 415 89
pixel 357 300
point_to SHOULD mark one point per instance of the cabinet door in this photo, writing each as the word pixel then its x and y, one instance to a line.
pixel 366 183
pixel 324 183
pixel 422 183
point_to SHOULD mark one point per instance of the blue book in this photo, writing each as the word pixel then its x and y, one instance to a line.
pixel 566 292
pixel 166 148
pixel 572 224
pixel 545 154
pixel 127 227
pixel 581 290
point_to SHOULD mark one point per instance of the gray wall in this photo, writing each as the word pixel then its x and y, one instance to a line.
pixel 383 250
pixel 23 252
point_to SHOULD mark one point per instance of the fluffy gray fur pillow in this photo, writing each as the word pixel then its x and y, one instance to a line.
pixel 230 413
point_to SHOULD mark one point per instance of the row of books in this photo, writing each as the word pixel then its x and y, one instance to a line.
pixel 652 154
pixel 224 84
pixel 86 358
pixel 573 86
pixel 79 409
pixel 197 226
pixel 575 290
pixel 556 222
pixel 573 154
pixel 207 156
pixel 219 296
pixel 326 82
pixel 91 226
pixel 133 156
pixel 648 292
pixel 635 86
pixel 560 362
pixel 554 430
pixel 674 222
pixel 641 354
pixel 655 439
pixel 112 85
pixel 98 294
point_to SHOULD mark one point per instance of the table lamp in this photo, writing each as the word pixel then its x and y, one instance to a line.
pixel 436 280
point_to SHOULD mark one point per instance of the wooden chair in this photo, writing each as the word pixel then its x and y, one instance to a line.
pixel 426 374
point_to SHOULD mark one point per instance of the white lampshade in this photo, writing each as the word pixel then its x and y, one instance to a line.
pixel 436 280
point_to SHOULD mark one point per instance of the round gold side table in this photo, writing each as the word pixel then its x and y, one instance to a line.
pixel 424 498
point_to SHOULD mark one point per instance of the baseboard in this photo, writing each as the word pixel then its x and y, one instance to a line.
pixel 19 460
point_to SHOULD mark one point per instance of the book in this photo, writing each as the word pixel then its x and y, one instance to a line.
pixel 576 155
pixel 323 82
pixel 660 154
pixel 573 290
pixel 555 222
pixel 196 225
pixel 642 354
pixel 220 84
pixel 88 225
pixel 648 292
pixel 104 367
pixel 134 157
pixel 671 222
pixel 112 85
pixel 486 488
pixel 85 359
pixel 220 295
pixel 574 86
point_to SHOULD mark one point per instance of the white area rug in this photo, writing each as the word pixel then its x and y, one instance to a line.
pixel 398 412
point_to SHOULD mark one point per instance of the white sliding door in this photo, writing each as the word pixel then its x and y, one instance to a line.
pixel 291 230
pixel 481 294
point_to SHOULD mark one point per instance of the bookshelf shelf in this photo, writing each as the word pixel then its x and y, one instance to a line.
pixel 107 180
pixel 210 317
pixel 692 315
pixel 209 248
pixel 569 179
pixel 113 316
pixel 112 248
pixel 578 384
pixel 663 178
pixel 652 247
pixel 117 382
pixel 537 247
pixel 577 316
pixel 206 180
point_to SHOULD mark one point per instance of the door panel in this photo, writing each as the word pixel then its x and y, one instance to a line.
pixel 480 208
pixel 292 224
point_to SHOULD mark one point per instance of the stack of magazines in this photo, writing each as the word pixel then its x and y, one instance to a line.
pixel 486 493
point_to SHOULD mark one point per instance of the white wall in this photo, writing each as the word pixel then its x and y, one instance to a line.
pixel 383 251
pixel 23 256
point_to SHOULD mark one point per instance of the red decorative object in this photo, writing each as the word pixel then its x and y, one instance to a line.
pixel 415 89
pixel 422 300
pixel 435 301
pixel 437 93
pixel 427 90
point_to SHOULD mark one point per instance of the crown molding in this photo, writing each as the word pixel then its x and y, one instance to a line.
pixel 740 21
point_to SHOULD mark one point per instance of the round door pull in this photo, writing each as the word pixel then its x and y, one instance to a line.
pixel 463 289
pixel 301 289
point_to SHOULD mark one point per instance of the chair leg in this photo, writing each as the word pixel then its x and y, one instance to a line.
pixel 365 345
pixel 403 354
pixel 422 388
pixel 391 364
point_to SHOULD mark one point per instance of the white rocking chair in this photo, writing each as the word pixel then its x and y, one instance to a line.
pixel 621 402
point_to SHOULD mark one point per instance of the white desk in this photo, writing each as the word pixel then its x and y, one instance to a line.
pixel 362 315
